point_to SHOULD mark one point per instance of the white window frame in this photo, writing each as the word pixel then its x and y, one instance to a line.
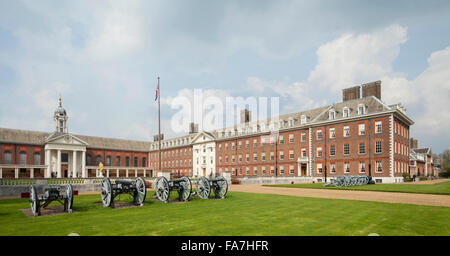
pixel 363 108
pixel 345 112
pixel 332 167
pixel 362 131
pixel 378 126
pixel 332 132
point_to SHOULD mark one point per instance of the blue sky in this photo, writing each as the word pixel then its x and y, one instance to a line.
pixel 103 57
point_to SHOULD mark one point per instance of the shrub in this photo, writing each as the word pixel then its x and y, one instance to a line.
pixel 406 177
pixel 444 174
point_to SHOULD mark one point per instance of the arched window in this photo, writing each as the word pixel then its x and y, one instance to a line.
pixel 118 161
pixel 135 162
pixel 108 160
pixel 144 162
pixel 7 157
pixel 127 161
pixel 99 159
pixel 37 158
pixel 23 157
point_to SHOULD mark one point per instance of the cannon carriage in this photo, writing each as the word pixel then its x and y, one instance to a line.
pixel 136 188
pixel 218 185
pixel 51 193
pixel 163 186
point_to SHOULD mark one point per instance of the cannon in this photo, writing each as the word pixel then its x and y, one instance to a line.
pixel 51 193
pixel 204 186
pixel 346 181
pixel 136 188
pixel 163 187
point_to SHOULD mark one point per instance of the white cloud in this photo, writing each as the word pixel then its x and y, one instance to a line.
pixel 355 59
pixel 433 88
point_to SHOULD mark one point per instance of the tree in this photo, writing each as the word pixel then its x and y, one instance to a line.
pixel 445 161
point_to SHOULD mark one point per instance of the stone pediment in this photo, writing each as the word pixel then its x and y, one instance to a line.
pixel 203 137
pixel 66 138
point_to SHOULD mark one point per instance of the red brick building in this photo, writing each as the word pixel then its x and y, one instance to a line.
pixel 31 154
pixel 361 135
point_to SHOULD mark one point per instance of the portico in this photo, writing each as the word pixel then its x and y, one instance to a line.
pixel 65 156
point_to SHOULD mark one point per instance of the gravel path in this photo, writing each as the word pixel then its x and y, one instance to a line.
pixel 387 197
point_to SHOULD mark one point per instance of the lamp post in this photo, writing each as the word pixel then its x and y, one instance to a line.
pixel 276 156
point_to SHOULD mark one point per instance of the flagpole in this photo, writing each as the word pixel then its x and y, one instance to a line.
pixel 159 129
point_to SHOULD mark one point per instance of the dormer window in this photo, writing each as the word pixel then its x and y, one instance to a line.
pixel 345 112
pixel 291 122
pixel 303 119
pixel 361 109
pixel 281 124
pixel 332 114
pixel 255 128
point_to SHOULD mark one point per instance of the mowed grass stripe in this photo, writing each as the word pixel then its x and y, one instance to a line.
pixel 239 214
pixel 438 188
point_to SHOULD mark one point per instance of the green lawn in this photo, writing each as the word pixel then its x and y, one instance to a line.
pixel 238 214
pixel 438 188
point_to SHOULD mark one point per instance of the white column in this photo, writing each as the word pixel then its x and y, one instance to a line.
pixel 16 173
pixel 144 173
pixel 96 172
pixel 135 173
pixel 1 173
pixel 58 164
pixel 48 153
pixel 83 165
pixel 117 172
pixel 107 173
pixel 74 166
pixel 127 173
pixel 31 173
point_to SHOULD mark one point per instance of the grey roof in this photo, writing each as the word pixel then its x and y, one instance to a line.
pixel 39 138
pixel 118 144
pixel 423 150
pixel 22 136
pixel 371 103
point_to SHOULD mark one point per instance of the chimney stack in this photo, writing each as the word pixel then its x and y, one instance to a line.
pixel 414 144
pixel 155 137
pixel 245 116
pixel 193 128
pixel 351 93
pixel 372 89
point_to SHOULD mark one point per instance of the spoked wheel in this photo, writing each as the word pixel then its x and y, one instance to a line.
pixel 203 188
pixel 221 188
pixel 187 188
pixel 106 192
pixel 34 201
pixel 162 189
pixel 141 191
pixel 69 198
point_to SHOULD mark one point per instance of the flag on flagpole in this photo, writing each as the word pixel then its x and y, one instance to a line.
pixel 157 92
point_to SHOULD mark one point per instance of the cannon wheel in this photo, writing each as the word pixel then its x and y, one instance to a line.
pixel 34 201
pixel 162 189
pixel 187 189
pixel 141 191
pixel 106 192
pixel 69 198
pixel 221 189
pixel 203 188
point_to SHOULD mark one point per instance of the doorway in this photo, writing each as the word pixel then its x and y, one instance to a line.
pixel 204 172
pixel 65 172
pixel 303 169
